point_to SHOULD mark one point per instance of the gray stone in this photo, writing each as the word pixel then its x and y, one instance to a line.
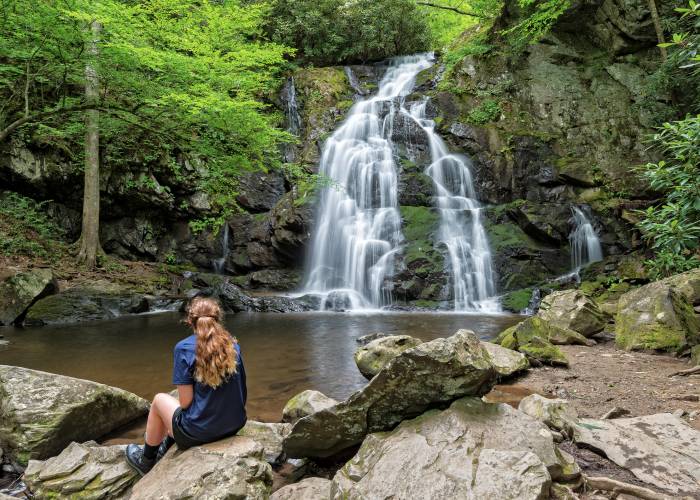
pixel 656 316
pixel 97 300
pixel 661 450
pixel 226 469
pixel 83 470
pixel 432 373
pixel 506 361
pixel 311 488
pixel 305 403
pixel 41 413
pixel 20 291
pixel 558 414
pixel 573 310
pixel 471 450
pixel 270 436
pixel 366 339
pixel 373 356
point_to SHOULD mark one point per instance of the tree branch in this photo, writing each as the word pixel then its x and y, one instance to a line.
pixel 453 9
pixel 608 484
pixel 44 114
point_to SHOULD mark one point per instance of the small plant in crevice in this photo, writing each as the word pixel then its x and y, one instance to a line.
pixel 488 111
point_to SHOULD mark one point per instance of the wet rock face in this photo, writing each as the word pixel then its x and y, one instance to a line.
pixel 86 470
pixel 512 456
pixel 431 373
pixel 43 412
pixel 19 291
pixel 230 468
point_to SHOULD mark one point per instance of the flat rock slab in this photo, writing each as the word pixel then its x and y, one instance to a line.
pixel 661 449
pixel 435 372
pixel 41 413
pixel 85 470
pixel 472 450
pixel 226 469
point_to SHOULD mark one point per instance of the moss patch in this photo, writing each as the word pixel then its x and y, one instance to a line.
pixel 517 300
pixel 419 226
pixel 508 235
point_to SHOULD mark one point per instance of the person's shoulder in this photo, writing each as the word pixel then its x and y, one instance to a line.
pixel 186 344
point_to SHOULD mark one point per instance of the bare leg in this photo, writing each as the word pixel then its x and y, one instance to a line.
pixel 160 418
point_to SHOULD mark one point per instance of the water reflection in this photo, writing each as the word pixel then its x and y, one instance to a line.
pixel 283 353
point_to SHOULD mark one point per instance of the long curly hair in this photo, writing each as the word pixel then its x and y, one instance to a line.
pixel 215 355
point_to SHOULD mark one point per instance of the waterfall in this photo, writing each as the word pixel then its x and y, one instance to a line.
pixel 461 230
pixel 293 119
pixel 584 242
pixel 220 263
pixel 358 228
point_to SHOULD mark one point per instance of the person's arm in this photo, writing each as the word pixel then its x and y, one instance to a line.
pixel 185 395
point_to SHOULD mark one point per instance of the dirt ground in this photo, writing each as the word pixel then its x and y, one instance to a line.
pixel 602 377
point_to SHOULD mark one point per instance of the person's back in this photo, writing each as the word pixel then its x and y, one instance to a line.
pixel 214 412
pixel 210 378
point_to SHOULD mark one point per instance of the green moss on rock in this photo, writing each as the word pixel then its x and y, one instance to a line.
pixel 517 300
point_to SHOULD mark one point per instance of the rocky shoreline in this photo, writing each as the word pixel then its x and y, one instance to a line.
pixel 421 415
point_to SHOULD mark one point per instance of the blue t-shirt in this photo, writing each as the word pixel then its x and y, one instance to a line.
pixel 214 413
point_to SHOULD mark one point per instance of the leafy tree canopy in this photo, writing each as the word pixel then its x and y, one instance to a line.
pixel 187 77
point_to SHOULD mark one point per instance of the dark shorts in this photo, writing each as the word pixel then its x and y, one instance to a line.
pixel 182 439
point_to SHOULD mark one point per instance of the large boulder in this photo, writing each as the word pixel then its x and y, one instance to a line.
pixel 471 450
pixel 661 450
pixel 372 357
pixel 305 403
pixel 230 468
pixel 95 301
pixel 432 373
pixel 85 470
pixel 506 361
pixel 656 316
pixel 573 310
pixel 311 488
pixel 688 284
pixel 41 413
pixel 20 291
pixel 270 436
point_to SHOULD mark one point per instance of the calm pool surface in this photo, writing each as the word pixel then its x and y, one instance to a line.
pixel 283 353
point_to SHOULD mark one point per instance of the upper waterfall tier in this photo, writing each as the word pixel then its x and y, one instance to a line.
pixel 358 234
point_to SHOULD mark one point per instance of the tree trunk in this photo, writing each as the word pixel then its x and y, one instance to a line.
pixel 658 28
pixel 89 243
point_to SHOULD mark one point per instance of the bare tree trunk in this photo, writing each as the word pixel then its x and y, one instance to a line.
pixel 89 243
pixel 658 28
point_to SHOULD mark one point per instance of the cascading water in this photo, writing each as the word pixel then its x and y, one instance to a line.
pixel 584 242
pixel 358 232
pixel 293 119
pixel 358 229
pixel 220 263
pixel 461 230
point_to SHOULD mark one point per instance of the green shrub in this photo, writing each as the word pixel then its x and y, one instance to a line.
pixel 25 228
pixel 488 111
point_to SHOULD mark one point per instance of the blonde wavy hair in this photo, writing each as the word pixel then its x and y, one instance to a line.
pixel 215 355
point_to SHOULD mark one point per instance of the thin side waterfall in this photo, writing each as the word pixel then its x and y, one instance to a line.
pixel 461 230
pixel 220 263
pixel 358 229
pixel 584 242
pixel 293 119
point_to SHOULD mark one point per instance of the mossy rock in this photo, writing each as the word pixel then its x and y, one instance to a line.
pixel 419 227
pixel 517 300
pixel 536 339
pixel 657 316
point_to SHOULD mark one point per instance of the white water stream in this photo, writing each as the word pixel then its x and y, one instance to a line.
pixel 358 229
pixel 584 242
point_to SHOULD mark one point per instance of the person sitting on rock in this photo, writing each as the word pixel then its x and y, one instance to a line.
pixel 210 378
